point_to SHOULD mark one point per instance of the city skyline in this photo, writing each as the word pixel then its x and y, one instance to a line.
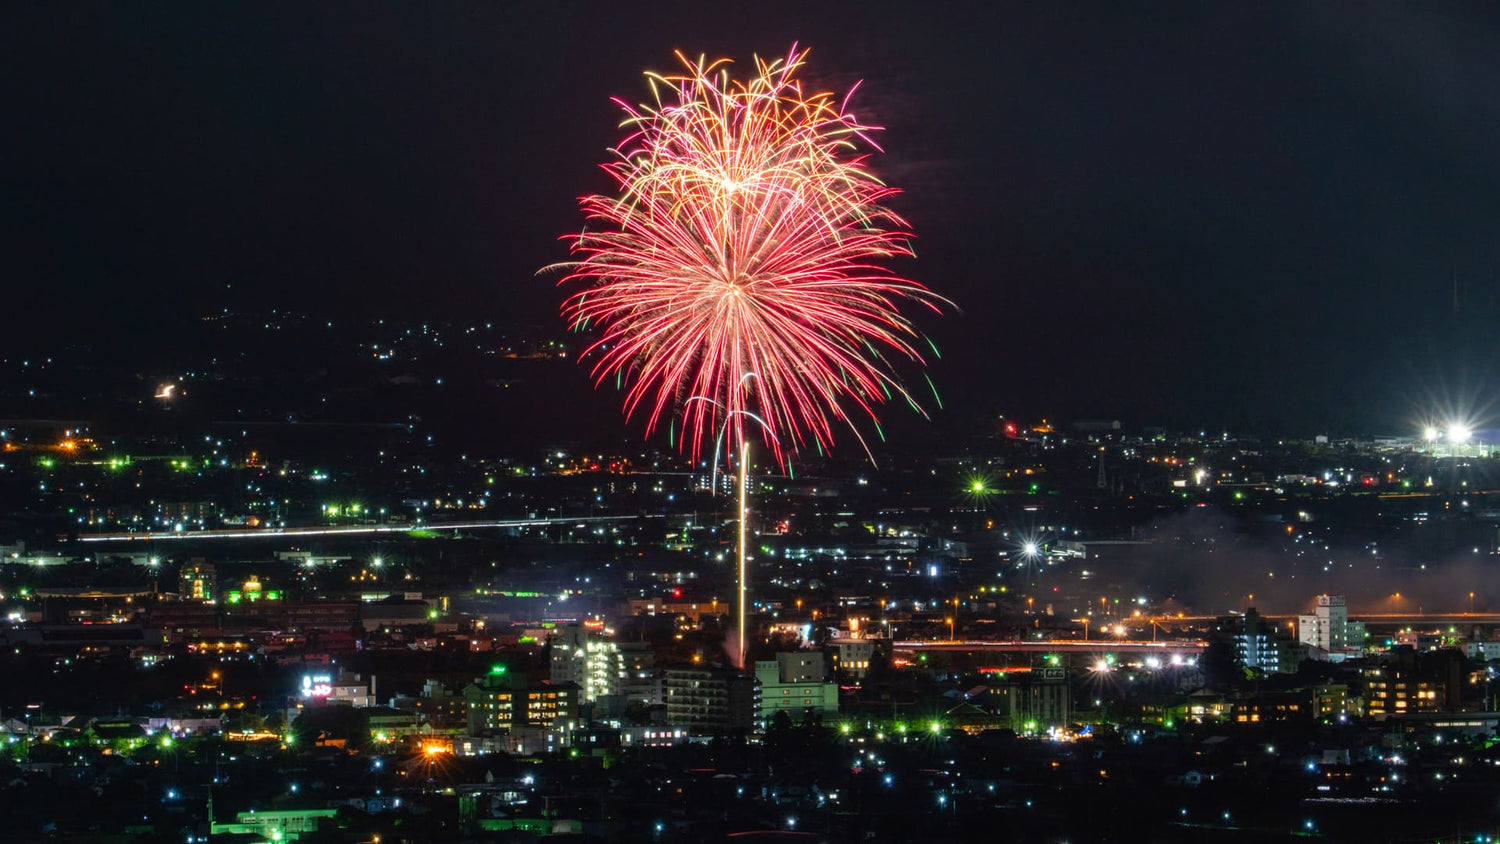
pixel 1096 407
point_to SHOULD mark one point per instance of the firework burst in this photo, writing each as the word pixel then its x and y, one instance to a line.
pixel 735 279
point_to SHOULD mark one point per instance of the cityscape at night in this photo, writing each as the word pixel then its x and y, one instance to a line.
pixel 862 423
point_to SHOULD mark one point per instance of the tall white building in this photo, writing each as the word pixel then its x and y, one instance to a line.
pixel 604 669
pixel 594 664
pixel 1330 630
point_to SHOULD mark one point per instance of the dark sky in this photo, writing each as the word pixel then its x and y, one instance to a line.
pixel 1226 214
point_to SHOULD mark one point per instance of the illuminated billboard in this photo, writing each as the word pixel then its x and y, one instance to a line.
pixel 317 685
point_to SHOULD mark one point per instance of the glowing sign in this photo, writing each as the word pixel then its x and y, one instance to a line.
pixel 317 685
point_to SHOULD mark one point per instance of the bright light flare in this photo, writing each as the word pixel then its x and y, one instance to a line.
pixel 1459 433
pixel 738 274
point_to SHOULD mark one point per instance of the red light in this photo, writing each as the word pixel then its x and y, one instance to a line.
pixel 677 593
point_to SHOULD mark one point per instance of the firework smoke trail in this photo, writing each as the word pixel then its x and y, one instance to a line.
pixel 746 239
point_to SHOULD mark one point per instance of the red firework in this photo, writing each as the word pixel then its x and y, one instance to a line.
pixel 736 276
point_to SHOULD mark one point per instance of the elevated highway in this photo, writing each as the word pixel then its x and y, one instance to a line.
pixel 344 530
pixel 1132 647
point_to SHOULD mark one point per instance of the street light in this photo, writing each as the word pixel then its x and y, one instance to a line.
pixel 952 635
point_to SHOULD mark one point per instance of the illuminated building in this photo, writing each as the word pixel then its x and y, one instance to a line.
pixel 1329 630
pixel 1037 699
pixel 440 706
pixel 712 701
pixel 604 669
pixel 691 611
pixel 793 683
pixel 501 701
pixel 276 825
pixel 567 654
pixel 1290 705
pixel 1258 645
pixel 197 581
pixel 643 682
pixel 1483 651
pixel 854 653
pixel 1332 701
pixel 119 736
pixel 347 689
pixel 251 590
pixel 1406 682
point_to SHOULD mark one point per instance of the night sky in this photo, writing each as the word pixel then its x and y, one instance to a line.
pixel 1213 214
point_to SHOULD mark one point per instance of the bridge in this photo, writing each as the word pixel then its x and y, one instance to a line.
pixel 345 530
pixel 1370 619
pixel 1131 647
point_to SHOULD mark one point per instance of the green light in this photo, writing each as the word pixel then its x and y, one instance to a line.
pixel 937 727
pixel 497 669
pixel 844 728
pixel 977 486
